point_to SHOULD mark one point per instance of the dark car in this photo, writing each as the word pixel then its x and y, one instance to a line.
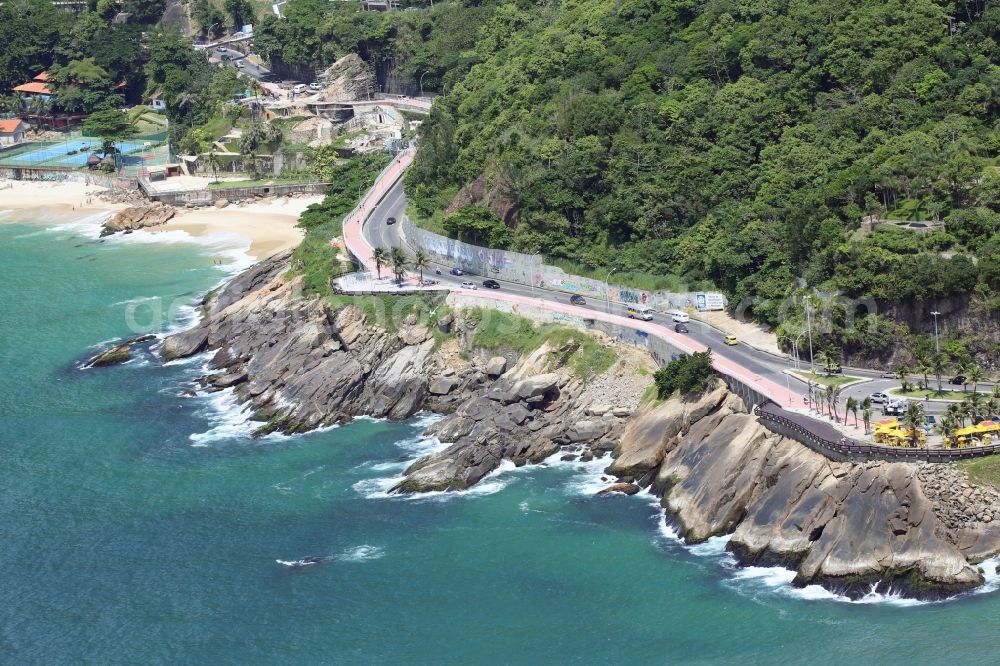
pixel 457 271
pixel 390 220
pixel 576 299
pixel 491 284
pixel 680 328
pixel 958 379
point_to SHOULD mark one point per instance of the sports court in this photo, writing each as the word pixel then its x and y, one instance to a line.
pixel 68 153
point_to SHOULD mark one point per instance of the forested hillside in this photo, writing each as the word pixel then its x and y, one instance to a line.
pixel 739 141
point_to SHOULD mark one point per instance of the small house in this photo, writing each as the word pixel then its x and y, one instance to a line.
pixel 12 131
pixel 156 101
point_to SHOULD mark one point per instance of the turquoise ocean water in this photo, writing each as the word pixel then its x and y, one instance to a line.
pixel 141 527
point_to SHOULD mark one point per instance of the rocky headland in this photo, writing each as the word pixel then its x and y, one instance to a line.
pixel 302 363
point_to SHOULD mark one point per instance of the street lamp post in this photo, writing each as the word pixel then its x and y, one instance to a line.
pixel 422 83
pixel 812 366
pixel 937 342
pixel 795 347
pixel 607 295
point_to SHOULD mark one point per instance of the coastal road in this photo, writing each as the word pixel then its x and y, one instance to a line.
pixel 239 61
pixel 378 233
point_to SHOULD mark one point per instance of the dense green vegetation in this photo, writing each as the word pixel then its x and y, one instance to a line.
pixel 584 354
pixel 435 45
pixel 738 142
pixel 689 375
pixel 315 259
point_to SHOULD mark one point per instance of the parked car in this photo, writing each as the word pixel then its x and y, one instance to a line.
pixel 469 285
pixel 299 88
pixel 888 374
pixel 430 283
pixel 731 340
pixel 958 379
pixel 220 49
pixel 490 283
pixel 315 87
pixel 878 398
pixel 457 271
pixel 577 299
pixel 680 328
pixel 390 220
pixel 239 64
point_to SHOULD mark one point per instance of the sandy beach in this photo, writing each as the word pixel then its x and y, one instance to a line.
pixel 270 227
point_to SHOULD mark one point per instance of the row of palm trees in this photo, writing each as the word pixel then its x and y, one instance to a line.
pixel 938 365
pixel 399 262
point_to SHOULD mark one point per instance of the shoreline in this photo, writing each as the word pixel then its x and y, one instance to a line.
pixel 269 228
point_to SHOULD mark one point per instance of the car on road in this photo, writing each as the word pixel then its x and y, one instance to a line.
pixel 888 374
pixel 679 316
pixel 957 379
pixel 220 49
pixel 878 398
pixel 268 77
pixel 238 64
pixel 640 312
pixel 430 283
pixel 680 328
pixel 299 88
pixel 469 285
pixel 490 283
pixel 577 299
pixel 315 87
pixel 390 220
pixel 455 270
pixel 731 340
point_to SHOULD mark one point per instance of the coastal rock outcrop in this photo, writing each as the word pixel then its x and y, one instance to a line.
pixel 718 471
pixel 120 353
pixel 138 217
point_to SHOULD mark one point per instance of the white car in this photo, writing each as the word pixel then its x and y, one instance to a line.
pixel 299 89
pixel 879 398
pixel 469 285
pixel 315 87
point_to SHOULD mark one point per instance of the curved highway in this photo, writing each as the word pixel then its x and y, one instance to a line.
pixel 376 232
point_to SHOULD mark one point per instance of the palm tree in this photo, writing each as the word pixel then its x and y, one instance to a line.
pixel 421 261
pixel 398 260
pixel 945 426
pixel 914 418
pixel 834 397
pixel 939 366
pixel 963 369
pixel 955 411
pixel 213 161
pixel 810 388
pixel 975 376
pixel 974 404
pixel 925 367
pixel 852 407
pixel 902 372
pixel 380 257
pixel 866 417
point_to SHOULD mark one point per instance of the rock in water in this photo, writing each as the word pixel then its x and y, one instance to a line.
pixel 138 217
pixel 118 354
pixel 619 488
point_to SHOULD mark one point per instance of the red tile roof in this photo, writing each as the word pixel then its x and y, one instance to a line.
pixel 35 88
pixel 43 77
pixel 10 126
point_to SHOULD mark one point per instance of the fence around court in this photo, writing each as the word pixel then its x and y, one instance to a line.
pixel 72 149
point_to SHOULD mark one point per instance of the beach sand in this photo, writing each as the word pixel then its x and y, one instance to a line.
pixel 270 228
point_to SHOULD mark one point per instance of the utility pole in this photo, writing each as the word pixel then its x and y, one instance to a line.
pixel 937 342
pixel 606 294
pixel 812 366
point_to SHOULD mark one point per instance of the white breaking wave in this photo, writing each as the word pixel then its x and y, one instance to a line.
pixel 589 477
pixel 230 419
pixel 363 553
pixel 778 580
pixel 491 483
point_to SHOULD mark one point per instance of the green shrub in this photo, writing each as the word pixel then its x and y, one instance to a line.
pixel 689 375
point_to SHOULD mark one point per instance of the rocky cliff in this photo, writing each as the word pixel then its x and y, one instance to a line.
pixel 302 364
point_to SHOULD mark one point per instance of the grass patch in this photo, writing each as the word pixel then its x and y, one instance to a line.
pixel 224 184
pixel 344 139
pixel 389 311
pixel 651 396
pixel 983 470
pixel 934 394
pixel 582 353
pixel 315 259
pixel 826 380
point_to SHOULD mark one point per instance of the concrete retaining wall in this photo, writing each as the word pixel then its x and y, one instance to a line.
pixel 529 269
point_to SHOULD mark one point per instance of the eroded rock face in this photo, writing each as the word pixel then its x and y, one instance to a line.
pixel 138 217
